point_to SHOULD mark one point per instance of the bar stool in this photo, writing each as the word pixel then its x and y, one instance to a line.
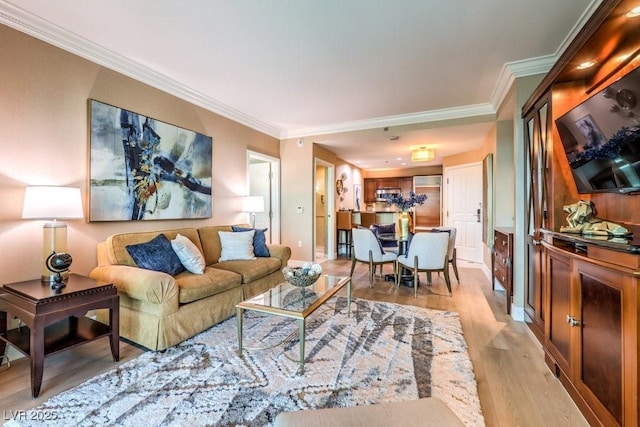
pixel 344 225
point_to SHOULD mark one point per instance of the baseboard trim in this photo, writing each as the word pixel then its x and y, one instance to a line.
pixel 517 313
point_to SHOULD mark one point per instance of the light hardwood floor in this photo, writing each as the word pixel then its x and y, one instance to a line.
pixel 514 384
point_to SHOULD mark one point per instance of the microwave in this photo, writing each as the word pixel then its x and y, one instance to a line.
pixel 382 192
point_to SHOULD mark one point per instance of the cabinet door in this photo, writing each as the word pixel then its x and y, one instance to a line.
pixel 388 183
pixel 537 124
pixel 370 190
pixel 558 330
pixel 599 371
pixel 406 185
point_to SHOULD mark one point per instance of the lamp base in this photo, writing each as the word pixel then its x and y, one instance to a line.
pixel 54 278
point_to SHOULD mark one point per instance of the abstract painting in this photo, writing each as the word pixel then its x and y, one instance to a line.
pixel 145 169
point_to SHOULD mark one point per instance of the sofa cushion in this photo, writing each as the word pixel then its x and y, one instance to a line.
pixel 260 248
pixel 156 254
pixel 251 270
pixel 236 245
pixel 386 233
pixel 189 254
pixel 210 240
pixel 116 244
pixel 213 281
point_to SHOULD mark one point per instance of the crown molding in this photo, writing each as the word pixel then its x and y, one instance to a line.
pixel 44 30
pixel 516 69
pixel 405 119
pixel 28 23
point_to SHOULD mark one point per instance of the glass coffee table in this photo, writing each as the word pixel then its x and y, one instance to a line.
pixel 286 300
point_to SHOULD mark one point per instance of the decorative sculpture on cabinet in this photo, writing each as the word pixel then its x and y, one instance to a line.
pixel 582 220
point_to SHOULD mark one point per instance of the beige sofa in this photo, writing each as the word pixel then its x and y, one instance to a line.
pixel 158 310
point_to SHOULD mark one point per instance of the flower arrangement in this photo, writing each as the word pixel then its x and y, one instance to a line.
pixel 404 204
pixel 609 150
pixel 302 276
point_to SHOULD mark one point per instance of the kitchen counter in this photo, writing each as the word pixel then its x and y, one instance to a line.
pixel 366 218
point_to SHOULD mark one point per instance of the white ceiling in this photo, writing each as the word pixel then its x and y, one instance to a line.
pixel 297 68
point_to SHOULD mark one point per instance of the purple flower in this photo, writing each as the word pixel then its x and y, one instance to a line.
pixel 403 203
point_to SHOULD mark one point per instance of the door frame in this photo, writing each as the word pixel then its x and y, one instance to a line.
pixel 330 187
pixel 274 190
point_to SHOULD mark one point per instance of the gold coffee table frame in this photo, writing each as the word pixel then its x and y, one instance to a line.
pixel 278 301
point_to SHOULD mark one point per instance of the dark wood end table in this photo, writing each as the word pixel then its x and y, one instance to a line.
pixel 56 321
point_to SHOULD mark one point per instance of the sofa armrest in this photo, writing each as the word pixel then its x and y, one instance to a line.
pixel 280 251
pixel 137 283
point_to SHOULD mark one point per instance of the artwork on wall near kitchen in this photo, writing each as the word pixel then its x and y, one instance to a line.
pixel 357 197
pixel 145 169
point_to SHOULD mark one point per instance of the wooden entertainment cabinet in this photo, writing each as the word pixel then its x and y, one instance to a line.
pixel 591 328
pixel 580 294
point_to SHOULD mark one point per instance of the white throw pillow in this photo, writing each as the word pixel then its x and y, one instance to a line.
pixel 189 254
pixel 236 245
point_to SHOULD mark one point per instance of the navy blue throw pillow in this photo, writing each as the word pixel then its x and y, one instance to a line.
pixel 156 254
pixel 260 248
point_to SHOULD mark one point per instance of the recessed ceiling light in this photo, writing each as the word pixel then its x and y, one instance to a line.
pixel 398 158
pixel 586 64
pixel 633 12
pixel 394 138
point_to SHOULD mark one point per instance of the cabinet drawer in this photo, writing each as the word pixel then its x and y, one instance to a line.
pixel 501 273
pixel 501 242
pixel 503 258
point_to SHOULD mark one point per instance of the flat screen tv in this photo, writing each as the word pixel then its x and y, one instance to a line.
pixel 601 138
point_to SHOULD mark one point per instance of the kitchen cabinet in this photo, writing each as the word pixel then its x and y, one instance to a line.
pixel 591 331
pixel 388 183
pixel 405 184
pixel 370 187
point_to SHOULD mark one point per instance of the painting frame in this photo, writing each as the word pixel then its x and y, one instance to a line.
pixel 487 199
pixel 141 168
pixel 357 197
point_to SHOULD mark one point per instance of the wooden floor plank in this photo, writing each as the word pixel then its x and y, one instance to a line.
pixel 514 385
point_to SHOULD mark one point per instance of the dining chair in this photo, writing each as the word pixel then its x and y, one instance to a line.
pixel 427 253
pixel 367 249
pixel 451 253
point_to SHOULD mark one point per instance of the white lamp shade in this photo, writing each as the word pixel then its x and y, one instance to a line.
pixel 253 204
pixel 46 202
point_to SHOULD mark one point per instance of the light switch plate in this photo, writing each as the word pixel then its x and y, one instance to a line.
pixel 299 209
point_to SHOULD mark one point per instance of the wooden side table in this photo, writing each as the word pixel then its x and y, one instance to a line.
pixel 56 321
pixel 502 261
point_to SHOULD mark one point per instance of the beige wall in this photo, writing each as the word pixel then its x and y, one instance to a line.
pixel 43 140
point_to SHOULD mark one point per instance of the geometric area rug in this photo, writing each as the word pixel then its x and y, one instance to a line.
pixel 383 353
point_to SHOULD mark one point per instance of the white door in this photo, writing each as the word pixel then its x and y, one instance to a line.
pixel 464 209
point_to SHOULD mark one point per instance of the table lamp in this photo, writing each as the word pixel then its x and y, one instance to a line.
pixel 53 203
pixel 253 204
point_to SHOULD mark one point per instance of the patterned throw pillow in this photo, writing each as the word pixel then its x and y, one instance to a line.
pixel 189 254
pixel 236 245
pixel 260 248
pixel 156 254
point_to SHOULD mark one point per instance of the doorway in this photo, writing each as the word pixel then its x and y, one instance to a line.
pixel 323 208
pixel 263 179
pixel 464 209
